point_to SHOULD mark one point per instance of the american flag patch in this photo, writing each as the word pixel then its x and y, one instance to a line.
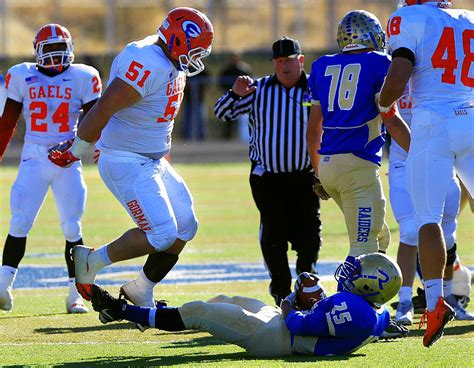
pixel 32 79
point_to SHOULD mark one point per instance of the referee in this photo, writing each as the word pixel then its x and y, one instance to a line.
pixel 281 173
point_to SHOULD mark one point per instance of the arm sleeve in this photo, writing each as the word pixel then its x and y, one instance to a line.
pixel 313 84
pixel 312 324
pixel 135 72
pixel 404 28
pixel 384 65
pixel 92 87
pixel 8 123
pixel 13 85
pixel 230 106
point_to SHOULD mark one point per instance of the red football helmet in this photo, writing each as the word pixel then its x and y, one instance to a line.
pixel 188 34
pixel 441 3
pixel 58 56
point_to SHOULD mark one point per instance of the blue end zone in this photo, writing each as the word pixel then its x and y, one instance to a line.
pixel 56 276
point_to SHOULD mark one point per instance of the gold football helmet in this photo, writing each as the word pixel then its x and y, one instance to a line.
pixel 360 29
pixel 374 276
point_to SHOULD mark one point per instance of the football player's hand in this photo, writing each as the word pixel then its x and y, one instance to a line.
pixel 62 158
pixel 96 156
pixel 319 190
pixel 62 146
pixel 290 298
pixel 242 86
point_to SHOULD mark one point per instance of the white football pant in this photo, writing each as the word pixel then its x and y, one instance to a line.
pixel 404 211
pixel 154 195
pixel 439 143
pixel 35 175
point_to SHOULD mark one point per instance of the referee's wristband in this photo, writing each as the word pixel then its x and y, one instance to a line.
pixel 79 147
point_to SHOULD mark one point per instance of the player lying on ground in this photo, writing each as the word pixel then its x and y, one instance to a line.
pixel 339 324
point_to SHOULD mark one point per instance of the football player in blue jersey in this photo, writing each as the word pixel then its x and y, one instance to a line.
pixel 346 131
pixel 335 325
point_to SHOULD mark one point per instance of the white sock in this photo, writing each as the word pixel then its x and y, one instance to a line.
pixel 143 282
pixel 99 259
pixel 404 295
pixel 7 276
pixel 447 287
pixel 433 290
pixel 72 288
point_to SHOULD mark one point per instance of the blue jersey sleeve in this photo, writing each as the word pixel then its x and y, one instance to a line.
pixel 307 323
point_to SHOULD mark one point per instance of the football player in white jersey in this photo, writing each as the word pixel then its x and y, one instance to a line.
pixel 134 119
pixel 51 93
pixel 432 47
pixel 404 213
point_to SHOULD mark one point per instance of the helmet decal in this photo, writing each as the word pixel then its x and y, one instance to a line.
pixel 385 280
pixel 191 29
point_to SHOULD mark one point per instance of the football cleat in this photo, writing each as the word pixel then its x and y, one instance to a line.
pixel 84 276
pixel 75 305
pixel 404 314
pixel 131 292
pixel 394 330
pixel 436 320
pixel 6 298
pixel 461 313
pixel 110 309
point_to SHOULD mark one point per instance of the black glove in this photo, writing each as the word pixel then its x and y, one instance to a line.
pixel 319 190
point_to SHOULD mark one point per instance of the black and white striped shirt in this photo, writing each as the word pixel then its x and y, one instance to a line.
pixel 277 123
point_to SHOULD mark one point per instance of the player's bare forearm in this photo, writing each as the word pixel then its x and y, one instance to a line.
pixel 116 97
pixel 8 122
pixel 398 130
pixel 397 78
pixel 314 133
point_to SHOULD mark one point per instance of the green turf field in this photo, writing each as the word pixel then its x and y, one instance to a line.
pixel 38 332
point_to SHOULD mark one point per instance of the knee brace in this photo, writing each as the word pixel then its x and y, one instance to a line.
pixel 451 255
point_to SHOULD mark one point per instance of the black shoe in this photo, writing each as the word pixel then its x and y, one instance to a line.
pixel 161 303
pixel 394 330
pixel 110 309
pixel 419 301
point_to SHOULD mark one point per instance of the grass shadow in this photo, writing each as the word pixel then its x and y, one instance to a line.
pixel 192 358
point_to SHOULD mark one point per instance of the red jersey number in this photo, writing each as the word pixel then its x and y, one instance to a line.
pixel 40 112
pixel 96 84
pixel 172 108
pixel 444 57
pixel 393 27
pixel 135 70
